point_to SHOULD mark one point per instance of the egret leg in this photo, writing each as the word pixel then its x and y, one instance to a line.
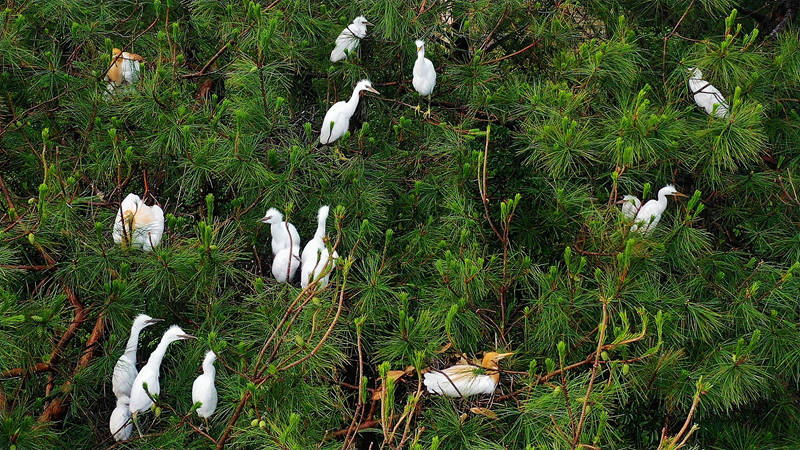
pixel 136 422
pixel 428 112
pixel 205 419
pixel 339 154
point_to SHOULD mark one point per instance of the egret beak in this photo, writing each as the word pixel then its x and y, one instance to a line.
pixel 678 194
pixel 620 202
pixel 265 219
pixel 418 49
pixel 186 336
pixel 503 355
pixel 369 24
pixel 371 89
pixel 152 321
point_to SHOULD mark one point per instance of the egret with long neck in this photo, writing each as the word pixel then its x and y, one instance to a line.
pixel 650 214
pixel 337 119
pixel 125 369
pixel 203 389
pixel 424 76
pixel 140 400
pixel 315 254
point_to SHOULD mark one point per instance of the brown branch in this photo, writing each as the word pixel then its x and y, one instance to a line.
pixel 58 407
pixel 363 425
pixel 666 39
pixel 236 414
pixel 601 339
pixel 482 187
pixel 665 439
pixel 531 45
pixel 489 36
pixel 18 372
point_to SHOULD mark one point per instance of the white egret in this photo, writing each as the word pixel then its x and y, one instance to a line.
pixel 630 206
pixel 138 225
pixel 125 369
pixel 705 95
pixel 284 234
pixel 120 423
pixel 203 389
pixel 285 264
pixel 650 213
pixel 149 374
pixel 124 69
pixel 463 380
pixel 424 75
pixel 350 38
pixel 315 254
pixel 337 119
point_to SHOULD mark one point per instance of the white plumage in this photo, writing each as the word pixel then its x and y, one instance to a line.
pixel 125 368
pixel 424 74
pixel 150 373
pixel 337 119
pixel 143 225
pixel 463 380
pixel 120 423
pixel 705 95
pixel 284 234
pixel 203 389
pixel 350 38
pixel 285 264
pixel 630 206
pixel 315 254
pixel 130 69
pixel 650 214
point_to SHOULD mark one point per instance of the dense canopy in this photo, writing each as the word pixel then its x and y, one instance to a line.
pixel 493 225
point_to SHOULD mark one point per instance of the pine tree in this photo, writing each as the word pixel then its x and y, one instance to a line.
pixel 490 226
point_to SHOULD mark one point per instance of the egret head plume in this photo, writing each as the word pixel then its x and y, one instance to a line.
pixel 669 190
pixel 272 216
pixel 143 320
pixel 366 85
pixel 361 20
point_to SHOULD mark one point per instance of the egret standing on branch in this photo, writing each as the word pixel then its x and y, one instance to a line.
pixel 125 369
pixel 705 95
pixel 140 400
pixel 315 253
pixel 350 38
pixel 424 76
pixel 463 380
pixel 337 119
pixel 284 234
pixel 203 389
pixel 650 214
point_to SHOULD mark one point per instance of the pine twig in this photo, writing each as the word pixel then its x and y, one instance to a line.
pixel 595 366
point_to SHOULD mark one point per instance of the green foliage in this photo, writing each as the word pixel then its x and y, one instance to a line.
pixel 490 226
